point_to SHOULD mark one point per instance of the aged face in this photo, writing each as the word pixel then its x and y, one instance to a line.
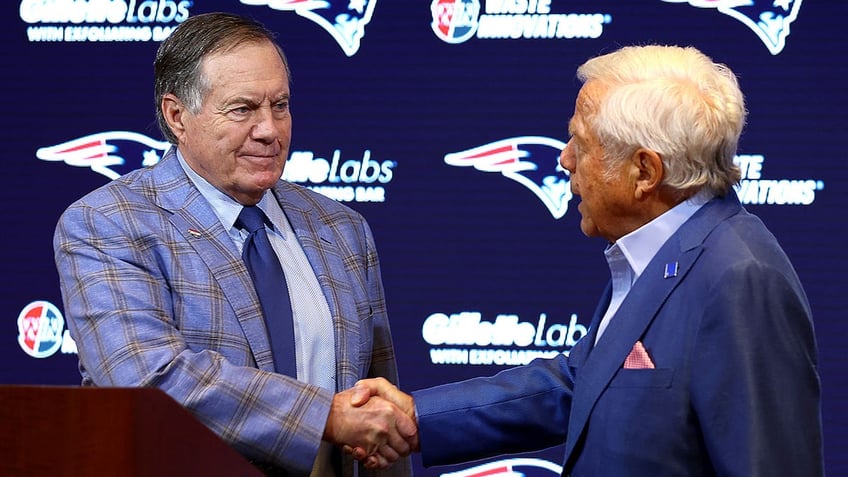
pixel 606 198
pixel 240 139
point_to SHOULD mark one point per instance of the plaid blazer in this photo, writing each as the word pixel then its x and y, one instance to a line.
pixel 156 294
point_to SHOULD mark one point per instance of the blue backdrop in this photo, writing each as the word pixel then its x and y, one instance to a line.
pixel 418 114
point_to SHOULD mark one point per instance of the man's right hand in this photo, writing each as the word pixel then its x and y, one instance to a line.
pixel 375 427
pixel 364 392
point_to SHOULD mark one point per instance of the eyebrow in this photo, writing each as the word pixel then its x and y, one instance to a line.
pixel 252 102
pixel 574 128
pixel 281 97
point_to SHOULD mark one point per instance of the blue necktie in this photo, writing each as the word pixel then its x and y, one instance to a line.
pixel 270 284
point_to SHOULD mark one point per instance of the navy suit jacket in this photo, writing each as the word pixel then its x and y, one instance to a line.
pixel 735 389
pixel 156 294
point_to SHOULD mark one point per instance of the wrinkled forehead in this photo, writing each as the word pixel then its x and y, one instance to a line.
pixel 585 106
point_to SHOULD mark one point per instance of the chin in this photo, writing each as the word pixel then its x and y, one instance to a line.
pixel 589 229
pixel 266 180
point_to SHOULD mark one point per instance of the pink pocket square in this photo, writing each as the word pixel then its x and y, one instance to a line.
pixel 638 358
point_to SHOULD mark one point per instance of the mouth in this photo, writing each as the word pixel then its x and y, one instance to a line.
pixel 259 156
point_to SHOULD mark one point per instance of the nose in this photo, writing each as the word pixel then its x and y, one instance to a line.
pixel 566 158
pixel 264 127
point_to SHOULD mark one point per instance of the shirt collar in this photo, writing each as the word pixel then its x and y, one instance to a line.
pixel 640 246
pixel 225 207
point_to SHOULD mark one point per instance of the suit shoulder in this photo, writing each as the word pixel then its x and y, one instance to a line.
pixel 745 235
pixel 302 197
pixel 134 187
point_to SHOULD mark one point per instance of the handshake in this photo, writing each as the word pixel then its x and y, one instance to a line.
pixel 374 422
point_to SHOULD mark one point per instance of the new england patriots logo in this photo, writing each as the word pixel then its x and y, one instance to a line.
pixel 530 160
pixel 111 153
pixel 511 468
pixel 769 19
pixel 345 20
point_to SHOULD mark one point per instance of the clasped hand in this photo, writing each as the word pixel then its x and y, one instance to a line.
pixel 374 422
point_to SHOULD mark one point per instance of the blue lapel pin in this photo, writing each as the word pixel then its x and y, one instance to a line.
pixel 670 270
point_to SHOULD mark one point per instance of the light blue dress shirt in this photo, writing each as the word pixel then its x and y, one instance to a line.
pixel 630 255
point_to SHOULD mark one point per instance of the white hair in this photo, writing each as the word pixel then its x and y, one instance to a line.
pixel 678 103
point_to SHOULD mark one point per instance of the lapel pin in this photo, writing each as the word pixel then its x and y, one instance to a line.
pixel 670 270
pixel 194 233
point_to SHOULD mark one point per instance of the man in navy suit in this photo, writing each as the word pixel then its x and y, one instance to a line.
pixel 157 294
pixel 701 357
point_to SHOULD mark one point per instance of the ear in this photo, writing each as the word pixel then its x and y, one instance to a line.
pixel 174 111
pixel 649 170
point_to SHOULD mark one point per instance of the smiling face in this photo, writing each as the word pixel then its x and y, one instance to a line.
pixel 239 140
pixel 607 196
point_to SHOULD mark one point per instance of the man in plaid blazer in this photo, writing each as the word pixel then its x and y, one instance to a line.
pixel 157 294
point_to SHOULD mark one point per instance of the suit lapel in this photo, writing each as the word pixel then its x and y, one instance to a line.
pixel 638 310
pixel 196 223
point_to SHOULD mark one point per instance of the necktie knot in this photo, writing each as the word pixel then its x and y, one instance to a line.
pixel 251 218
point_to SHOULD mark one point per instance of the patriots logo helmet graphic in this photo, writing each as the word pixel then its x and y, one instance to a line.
pixel 111 153
pixel 345 20
pixel 533 161
pixel 511 468
pixel 769 19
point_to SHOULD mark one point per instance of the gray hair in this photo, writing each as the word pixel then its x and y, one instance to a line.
pixel 177 68
pixel 675 101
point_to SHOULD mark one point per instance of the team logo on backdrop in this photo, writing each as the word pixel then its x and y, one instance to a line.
pixel 511 468
pixel 466 338
pixel 41 330
pixel 102 20
pixel 456 21
pixel 769 19
pixel 754 189
pixel 111 153
pixel 532 161
pixel 344 20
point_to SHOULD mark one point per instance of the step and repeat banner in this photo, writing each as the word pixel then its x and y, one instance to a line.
pixel 441 121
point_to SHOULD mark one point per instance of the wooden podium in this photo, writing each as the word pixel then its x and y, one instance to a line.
pixel 81 431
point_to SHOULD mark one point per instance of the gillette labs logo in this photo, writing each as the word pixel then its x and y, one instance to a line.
pixel 362 179
pixel 344 20
pixel 102 20
pixel 456 21
pixel 466 339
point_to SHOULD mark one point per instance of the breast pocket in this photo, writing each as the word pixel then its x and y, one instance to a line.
pixel 643 378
